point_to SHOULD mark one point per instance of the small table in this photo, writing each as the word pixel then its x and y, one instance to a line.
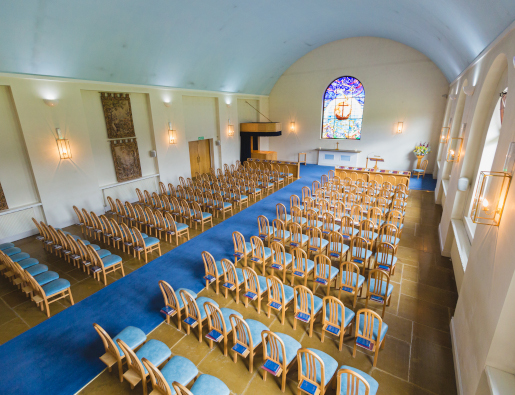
pixel 376 159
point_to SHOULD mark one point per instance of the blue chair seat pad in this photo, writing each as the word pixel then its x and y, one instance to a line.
pixel 256 327
pixel 46 277
pixel 56 286
pixel 333 271
pixel 291 346
pixel 225 315
pixel 5 246
pixel 355 276
pixel 383 287
pixel 330 366
pixel 211 385
pixel 103 253
pixel 150 241
pixel 28 263
pixel 374 385
pixel 36 269
pixel 349 316
pixel 317 303
pixel 131 336
pixel 384 328
pixel 111 260
pixel 155 351
pixel 179 369
pixel 178 294
pixel 11 251
pixel 200 303
pixel 390 260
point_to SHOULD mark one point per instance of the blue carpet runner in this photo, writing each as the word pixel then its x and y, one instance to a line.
pixel 60 355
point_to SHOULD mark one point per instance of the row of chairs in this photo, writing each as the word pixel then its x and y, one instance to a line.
pixel 280 350
pixel 354 176
pixel 34 279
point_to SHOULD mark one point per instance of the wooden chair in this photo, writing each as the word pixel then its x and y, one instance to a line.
pixel 133 338
pixel 422 170
pixel 221 206
pixel 176 229
pixel 241 248
pixel 282 214
pixel 49 293
pixel 194 316
pixel 216 319
pixel 275 350
pixel 307 306
pixel 280 259
pixel 154 351
pixel 297 239
pixel 255 287
pixel 233 278
pixel 351 381
pixel 279 296
pixel 146 245
pixel 316 368
pixel 259 253
pixel 301 267
pixel 324 273
pixel 359 252
pixel 246 338
pixel 351 281
pixel 389 234
pixel 109 264
pixel 316 242
pixel 279 232
pixel 171 300
pixel 297 216
pixel 337 249
pixel 80 217
pixel 205 384
pixel 370 332
pixel 379 288
pixel 213 269
pixel 385 258
pixel 336 318
pixel 179 369
pixel 265 231
pixel 396 218
pixel 200 217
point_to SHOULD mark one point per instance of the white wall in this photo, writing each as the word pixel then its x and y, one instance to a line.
pixel 484 317
pixel 32 172
pixel 401 85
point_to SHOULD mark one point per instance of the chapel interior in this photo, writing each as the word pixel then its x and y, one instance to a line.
pixel 233 197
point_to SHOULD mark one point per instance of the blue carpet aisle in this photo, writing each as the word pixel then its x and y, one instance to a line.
pixel 60 355
pixel 428 183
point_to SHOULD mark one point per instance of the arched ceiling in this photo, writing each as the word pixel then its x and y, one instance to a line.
pixel 229 45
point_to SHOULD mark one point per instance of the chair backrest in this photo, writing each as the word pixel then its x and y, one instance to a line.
pixel 159 383
pixel 322 268
pixel 133 362
pixel 241 332
pixel 95 258
pixel 388 233
pixel 181 389
pixel 215 319
pixel 258 249
pixel 112 204
pixel 230 275
pixel 311 366
pixel 303 300
pixel 79 214
pixel 251 281
pixel 355 384
pixel 171 189
pixel 368 317
pixel 84 253
pixel 333 312
pixel 279 231
pixel 379 288
pixel 423 166
pixel 315 239
pixel 328 223
pixel 295 235
pixel 190 305
pixel 185 208
pixel 294 201
pixel 306 192
pixel 138 238
pixel 109 345
pixel 275 290
pixel 169 295
pixel 336 245
pixel 367 230
pixel 240 248
pixel 141 198
pixel 151 219
pixel 299 261
pixel 356 212
pixel 278 258
pixel 396 218
pixel 385 253
pixel 281 213
pixel 210 264
pixel 358 247
pixel 349 273
pixel 273 348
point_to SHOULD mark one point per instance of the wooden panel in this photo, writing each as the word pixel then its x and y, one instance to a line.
pixel 204 152
pixel 270 155
pixel 262 127
pixel 194 159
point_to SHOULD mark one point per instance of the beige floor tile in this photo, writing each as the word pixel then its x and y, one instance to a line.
pixel 389 385
pixel 6 313
pixel 426 313
pixel 429 293
pixel 189 347
pixel 33 315
pixel 167 333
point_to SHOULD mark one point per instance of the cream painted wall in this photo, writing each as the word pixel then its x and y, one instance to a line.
pixel 401 85
pixel 484 318
pixel 15 172
pixel 79 181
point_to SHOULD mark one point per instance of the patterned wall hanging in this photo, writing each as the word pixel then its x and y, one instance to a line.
pixel 126 159
pixel 118 115
pixel 3 202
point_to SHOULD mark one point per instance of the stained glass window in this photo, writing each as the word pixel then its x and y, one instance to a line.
pixel 344 99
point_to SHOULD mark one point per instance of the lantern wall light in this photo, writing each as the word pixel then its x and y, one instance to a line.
pixel 292 126
pixel 230 130
pixel 400 125
pixel 490 197
pixel 63 146
pixel 172 134
pixel 454 152
pixel 446 131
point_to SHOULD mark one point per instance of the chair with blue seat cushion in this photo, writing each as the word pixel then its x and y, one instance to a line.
pixel 102 253
pixel 422 170
pixel 46 277
pixel 255 287
pixel 301 266
pixel 233 278
pixel 50 292
pixel 106 265
pixel 324 273
pixel 306 307
pixel 379 288
pixel 176 229
pixel 336 318
pixel 351 281
pixel 280 349
pixel 174 302
pixel 259 253
pixel 27 263
pixel 351 381
pixel 178 369
pixel 133 337
pixel 279 296
pixel 200 217
pixel 194 311
pixel 241 248
pixel 146 245
pixel 5 246
pixel 316 367
pixel 213 270
pixel 11 251
pixel 280 259
pixel 205 384
pixel 218 320
pixel 385 258
pixel 246 337
pixel 19 256
pixel 316 243
pixel 370 332
pixel 360 252
pixel 337 248
pixel 279 232
pixel 389 233
pixel 154 351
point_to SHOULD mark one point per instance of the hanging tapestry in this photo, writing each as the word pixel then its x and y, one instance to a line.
pixel 118 115
pixel 344 100
pixel 126 159
pixel 3 202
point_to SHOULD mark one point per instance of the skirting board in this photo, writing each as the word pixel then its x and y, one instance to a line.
pixel 457 371
pixel 443 252
pixel 19 236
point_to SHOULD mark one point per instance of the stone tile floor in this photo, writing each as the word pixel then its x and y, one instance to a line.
pixel 417 358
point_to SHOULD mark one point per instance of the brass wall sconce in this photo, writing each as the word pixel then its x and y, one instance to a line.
pixel 490 197
pixel 454 152
pixel 172 135
pixel 63 146
pixel 444 138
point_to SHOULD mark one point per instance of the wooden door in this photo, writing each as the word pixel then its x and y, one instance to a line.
pixel 200 156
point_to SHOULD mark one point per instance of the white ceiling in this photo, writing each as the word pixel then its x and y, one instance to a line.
pixel 229 45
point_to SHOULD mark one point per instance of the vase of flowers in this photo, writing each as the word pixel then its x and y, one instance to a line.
pixel 420 151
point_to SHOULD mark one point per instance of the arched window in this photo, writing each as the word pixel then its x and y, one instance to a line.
pixel 342 118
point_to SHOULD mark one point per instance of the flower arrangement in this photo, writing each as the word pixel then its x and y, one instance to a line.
pixel 422 149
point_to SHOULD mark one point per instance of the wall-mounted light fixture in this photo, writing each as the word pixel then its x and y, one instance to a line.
pixel 168 103
pixel 454 151
pixel 51 102
pixel 230 130
pixel 490 197
pixel 172 135
pixel 444 137
pixel 400 125
pixel 292 126
pixel 63 146
pixel 469 90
